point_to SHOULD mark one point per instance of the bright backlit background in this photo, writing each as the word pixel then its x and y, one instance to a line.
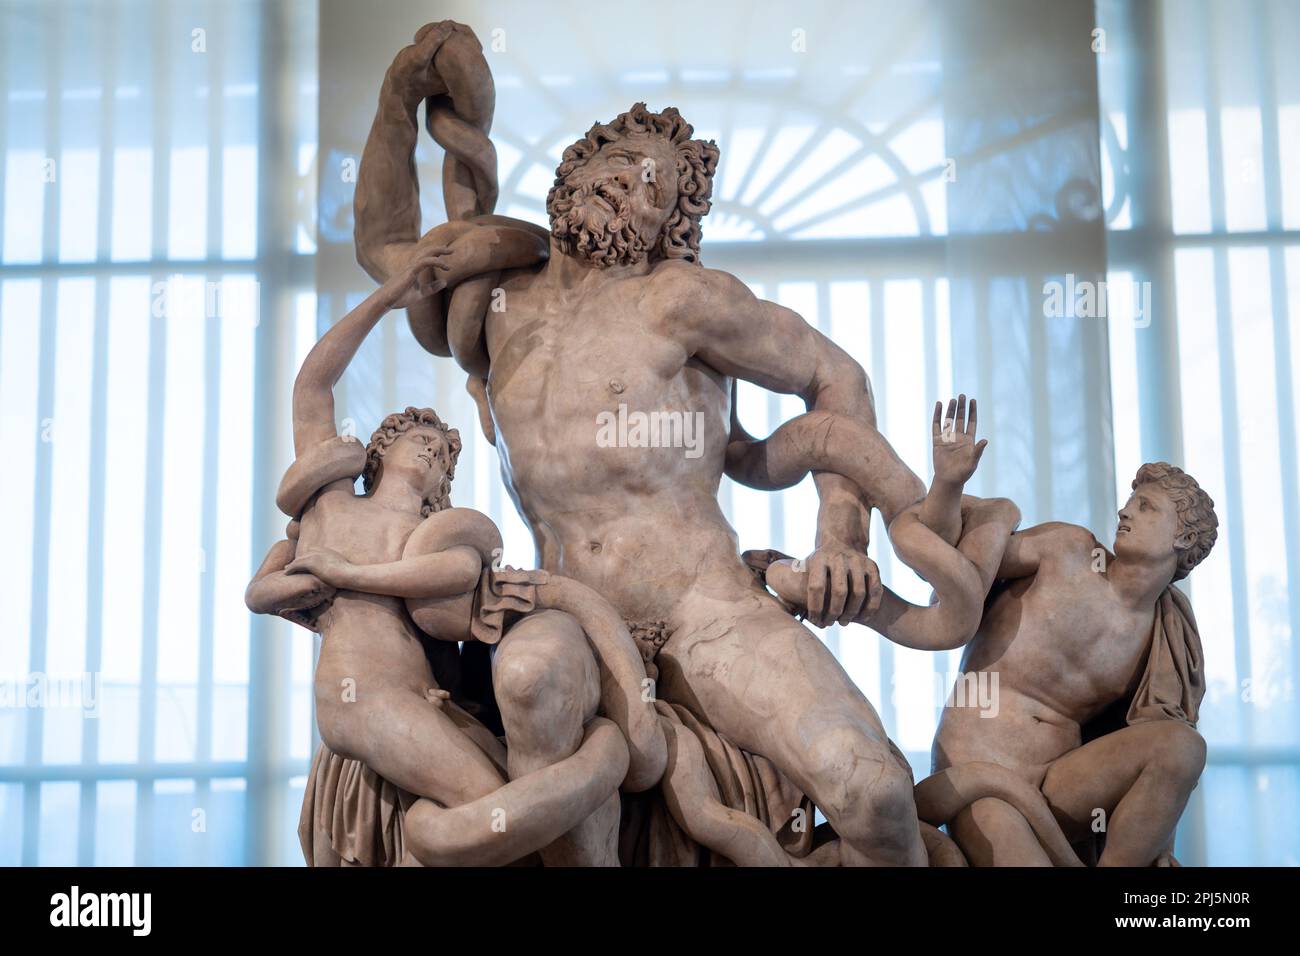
pixel 176 206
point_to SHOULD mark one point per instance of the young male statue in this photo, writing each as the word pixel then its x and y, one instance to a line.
pixel 1096 665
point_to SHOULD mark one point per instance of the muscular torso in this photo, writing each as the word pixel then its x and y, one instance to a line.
pixel 639 524
pixel 1063 650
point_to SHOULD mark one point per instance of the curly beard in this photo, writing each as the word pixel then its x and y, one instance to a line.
pixel 588 230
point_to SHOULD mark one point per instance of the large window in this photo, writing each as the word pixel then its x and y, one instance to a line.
pixel 1201 132
pixel 144 281
pixel 907 176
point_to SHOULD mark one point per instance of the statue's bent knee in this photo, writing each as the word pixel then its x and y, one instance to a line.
pixel 546 683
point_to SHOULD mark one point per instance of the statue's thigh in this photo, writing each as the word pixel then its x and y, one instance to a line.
pixel 1098 775
pixel 765 681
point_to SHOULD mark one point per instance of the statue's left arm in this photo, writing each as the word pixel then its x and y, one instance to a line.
pixel 740 335
pixel 440 574
pixel 445 69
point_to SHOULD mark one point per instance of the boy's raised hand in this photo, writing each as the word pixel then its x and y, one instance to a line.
pixel 956 453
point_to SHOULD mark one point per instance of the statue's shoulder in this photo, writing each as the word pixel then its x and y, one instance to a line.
pixel 1068 544
pixel 691 275
pixel 690 286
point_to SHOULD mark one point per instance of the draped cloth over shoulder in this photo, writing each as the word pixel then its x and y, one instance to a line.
pixel 1171 687
pixel 1173 683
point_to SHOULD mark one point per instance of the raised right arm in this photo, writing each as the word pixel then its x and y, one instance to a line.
pixel 956 456
pixel 313 389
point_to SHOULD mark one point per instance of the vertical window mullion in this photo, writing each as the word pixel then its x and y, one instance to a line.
pixel 823 322
pixel 44 455
pixel 1227 371
pixel 1040 352
pixel 148 702
pixel 108 38
pixel 268 674
pixel 885 557
pixel 930 345
pixel 1266 66
pixel 204 698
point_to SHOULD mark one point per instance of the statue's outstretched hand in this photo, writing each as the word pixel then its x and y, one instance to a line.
pixel 842 583
pixel 956 453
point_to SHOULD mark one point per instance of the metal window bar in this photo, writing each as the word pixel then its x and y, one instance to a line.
pixel 44 449
pixel 95 555
pixel 1266 74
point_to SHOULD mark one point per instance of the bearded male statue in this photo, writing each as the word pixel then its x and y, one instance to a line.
pixel 618 311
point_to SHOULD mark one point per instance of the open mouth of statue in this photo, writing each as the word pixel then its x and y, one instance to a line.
pixel 609 197
pixel 1123 529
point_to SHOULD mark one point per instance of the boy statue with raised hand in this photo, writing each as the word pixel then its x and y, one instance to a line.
pixel 1092 658
pixel 1081 640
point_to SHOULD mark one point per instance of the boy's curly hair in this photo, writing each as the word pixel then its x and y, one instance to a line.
pixel 387 433
pixel 1195 510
